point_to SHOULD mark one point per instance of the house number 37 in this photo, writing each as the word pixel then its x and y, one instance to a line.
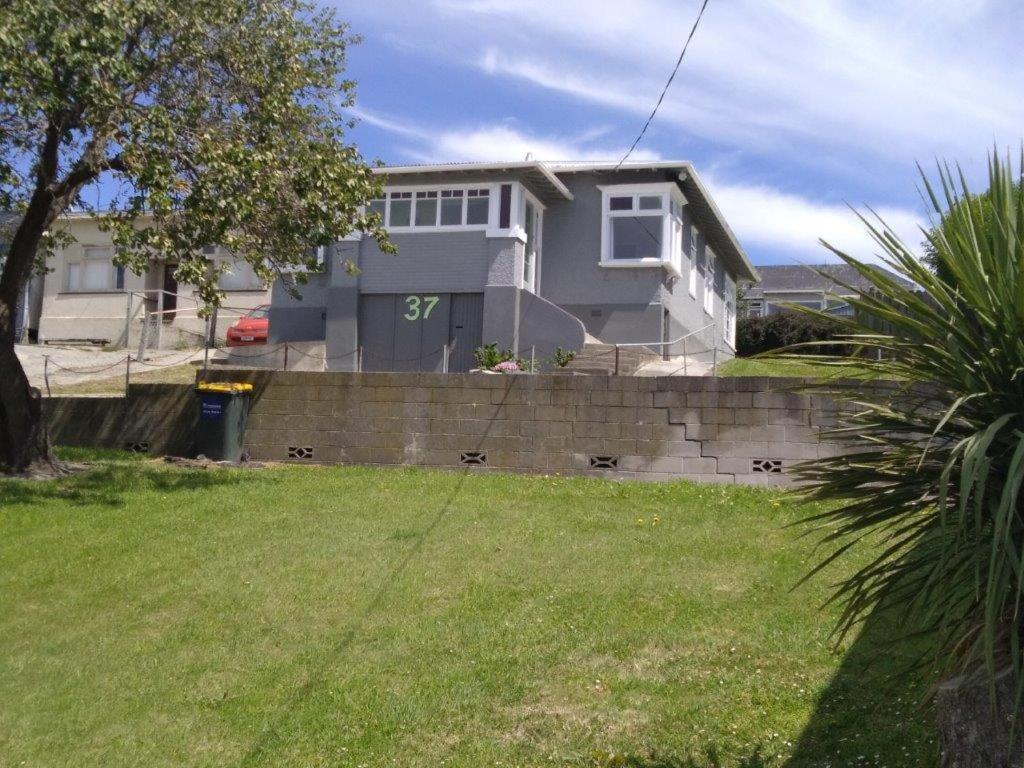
pixel 420 307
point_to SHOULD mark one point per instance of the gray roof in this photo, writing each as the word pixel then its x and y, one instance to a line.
pixel 786 278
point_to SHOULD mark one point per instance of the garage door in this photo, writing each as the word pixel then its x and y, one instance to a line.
pixel 408 331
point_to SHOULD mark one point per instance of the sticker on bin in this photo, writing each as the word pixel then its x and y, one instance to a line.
pixel 211 409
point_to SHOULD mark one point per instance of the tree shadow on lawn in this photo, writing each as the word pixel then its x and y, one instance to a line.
pixel 873 705
pixel 107 484
pixel 710 759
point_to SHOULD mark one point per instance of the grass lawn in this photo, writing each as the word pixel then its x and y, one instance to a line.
pixel 306 616
pixel 750 366
pixel 114 385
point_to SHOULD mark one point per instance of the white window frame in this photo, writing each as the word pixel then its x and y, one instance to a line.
pixel 88 254
pixel 668 192
pixel 729 319
pixel 532 285
pixel 709 281
pixel 694 236
pixel 492 208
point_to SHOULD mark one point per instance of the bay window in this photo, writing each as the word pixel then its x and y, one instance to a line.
pixel 642 226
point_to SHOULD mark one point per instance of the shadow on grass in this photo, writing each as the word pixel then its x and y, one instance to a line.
pixel 107 484
pixel 873 705
pixel 710 759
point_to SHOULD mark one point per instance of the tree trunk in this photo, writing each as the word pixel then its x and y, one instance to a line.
pixel 972 732
pixel 23 437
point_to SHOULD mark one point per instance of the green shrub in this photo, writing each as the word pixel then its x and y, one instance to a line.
pixel 562 357
pixel 489 356
pixel 755 335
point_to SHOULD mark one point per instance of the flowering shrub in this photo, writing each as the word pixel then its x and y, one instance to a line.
pixel 508 366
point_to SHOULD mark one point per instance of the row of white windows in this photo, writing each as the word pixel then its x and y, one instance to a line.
pixel 434 208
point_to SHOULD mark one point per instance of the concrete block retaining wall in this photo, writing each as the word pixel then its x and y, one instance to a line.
pixel 709 429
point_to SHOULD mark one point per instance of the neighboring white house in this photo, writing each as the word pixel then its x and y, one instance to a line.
pixel 86 297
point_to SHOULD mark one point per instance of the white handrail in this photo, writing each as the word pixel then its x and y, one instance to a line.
pixel 663 344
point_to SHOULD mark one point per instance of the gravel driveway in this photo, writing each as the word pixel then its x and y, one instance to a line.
pixel 88 363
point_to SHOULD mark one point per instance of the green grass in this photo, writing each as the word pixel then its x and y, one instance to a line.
pixel 114 385
pixel 157 616
pixel 751 366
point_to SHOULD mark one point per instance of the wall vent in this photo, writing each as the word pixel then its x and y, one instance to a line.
pixel 766 466
pixel 300 452
pixel 473 458
pixel 604 462
pixel 141 446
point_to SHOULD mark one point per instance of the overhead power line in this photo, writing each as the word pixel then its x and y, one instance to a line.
pixel 661 98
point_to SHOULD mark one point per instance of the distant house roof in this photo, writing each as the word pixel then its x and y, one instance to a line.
pixel 544 179
pixel 816 278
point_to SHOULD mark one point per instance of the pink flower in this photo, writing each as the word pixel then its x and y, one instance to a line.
pixel 509 366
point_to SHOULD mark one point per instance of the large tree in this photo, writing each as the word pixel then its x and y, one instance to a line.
pixel 221 120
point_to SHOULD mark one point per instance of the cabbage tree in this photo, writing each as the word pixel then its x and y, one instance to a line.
pixel 936 462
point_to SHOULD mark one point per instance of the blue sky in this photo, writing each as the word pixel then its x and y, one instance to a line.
pixel 789 109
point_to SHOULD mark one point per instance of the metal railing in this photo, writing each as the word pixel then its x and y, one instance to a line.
pixel 664 344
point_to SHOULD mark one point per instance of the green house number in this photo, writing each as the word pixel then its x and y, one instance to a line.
pixel 420 307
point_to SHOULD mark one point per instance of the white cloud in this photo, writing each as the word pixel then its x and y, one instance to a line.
pixel 806 78
pixel 765 218
pixel 495 143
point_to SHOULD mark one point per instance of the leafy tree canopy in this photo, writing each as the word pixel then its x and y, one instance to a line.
pixel 220 119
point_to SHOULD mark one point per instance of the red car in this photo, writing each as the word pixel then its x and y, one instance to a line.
pixel 251 328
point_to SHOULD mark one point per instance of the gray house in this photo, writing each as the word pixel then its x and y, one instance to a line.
pixel 530 256
pixel 820 286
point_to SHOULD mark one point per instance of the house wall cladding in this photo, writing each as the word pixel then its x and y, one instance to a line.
pixel 707 429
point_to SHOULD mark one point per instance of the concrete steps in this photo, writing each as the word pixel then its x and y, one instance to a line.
pixel 600 359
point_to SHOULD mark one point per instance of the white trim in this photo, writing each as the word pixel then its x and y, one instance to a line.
pixel 538 208
pixel 729 320
pixel 709 279
pixel 528 165
pixel 692 256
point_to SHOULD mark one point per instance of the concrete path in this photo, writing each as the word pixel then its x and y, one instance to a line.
pixel 675 366
pixel 88 363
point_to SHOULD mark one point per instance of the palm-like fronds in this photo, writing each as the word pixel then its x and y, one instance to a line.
pixel 937 453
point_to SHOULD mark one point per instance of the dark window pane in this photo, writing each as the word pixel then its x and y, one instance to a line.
pixel 650 202
pixel 426 212
pixel 478 210
pixel 621 203
pixel 400 213
pixel 505 209
pixel 376 206
pixel 451 210
pixel 636 237
pixel 119 278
